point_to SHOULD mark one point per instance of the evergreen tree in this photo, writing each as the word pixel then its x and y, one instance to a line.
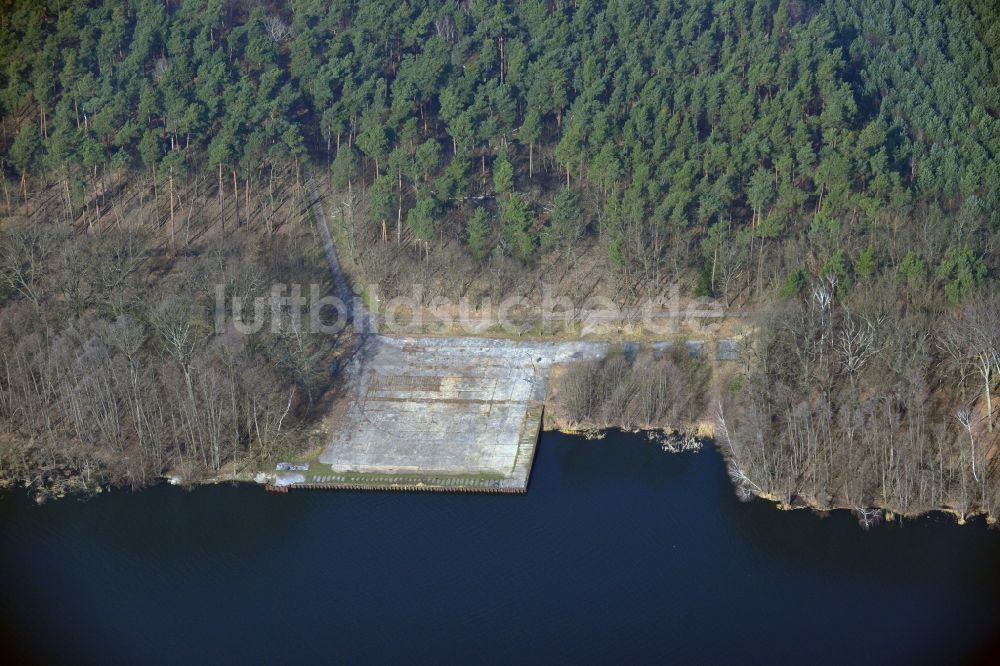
pixel 478 232
pixel 503 175
pixel 517 228
pixel 565 225
pixel 422 217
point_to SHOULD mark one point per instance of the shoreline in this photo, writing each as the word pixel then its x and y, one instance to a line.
pixel 658 434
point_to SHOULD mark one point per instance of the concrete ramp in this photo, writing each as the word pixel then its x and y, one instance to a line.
pixel 442 414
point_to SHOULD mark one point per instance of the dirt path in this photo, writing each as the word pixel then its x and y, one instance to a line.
pixel 357 313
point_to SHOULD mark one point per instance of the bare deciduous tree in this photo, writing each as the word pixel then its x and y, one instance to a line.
pixel 972 336
pixel 277 30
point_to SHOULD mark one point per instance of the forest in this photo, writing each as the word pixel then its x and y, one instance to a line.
pixel 830 166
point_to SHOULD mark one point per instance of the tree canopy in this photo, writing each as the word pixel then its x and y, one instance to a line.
pixel 780 120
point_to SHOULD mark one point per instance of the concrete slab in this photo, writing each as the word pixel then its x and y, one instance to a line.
pixel 466 410
pixel 729 350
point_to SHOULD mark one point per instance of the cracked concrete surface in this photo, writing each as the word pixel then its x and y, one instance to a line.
pixel 452 406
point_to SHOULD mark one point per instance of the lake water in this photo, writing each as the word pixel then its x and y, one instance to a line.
pixel 618 552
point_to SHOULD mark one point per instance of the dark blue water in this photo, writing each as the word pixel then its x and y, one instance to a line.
pixel 618 553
